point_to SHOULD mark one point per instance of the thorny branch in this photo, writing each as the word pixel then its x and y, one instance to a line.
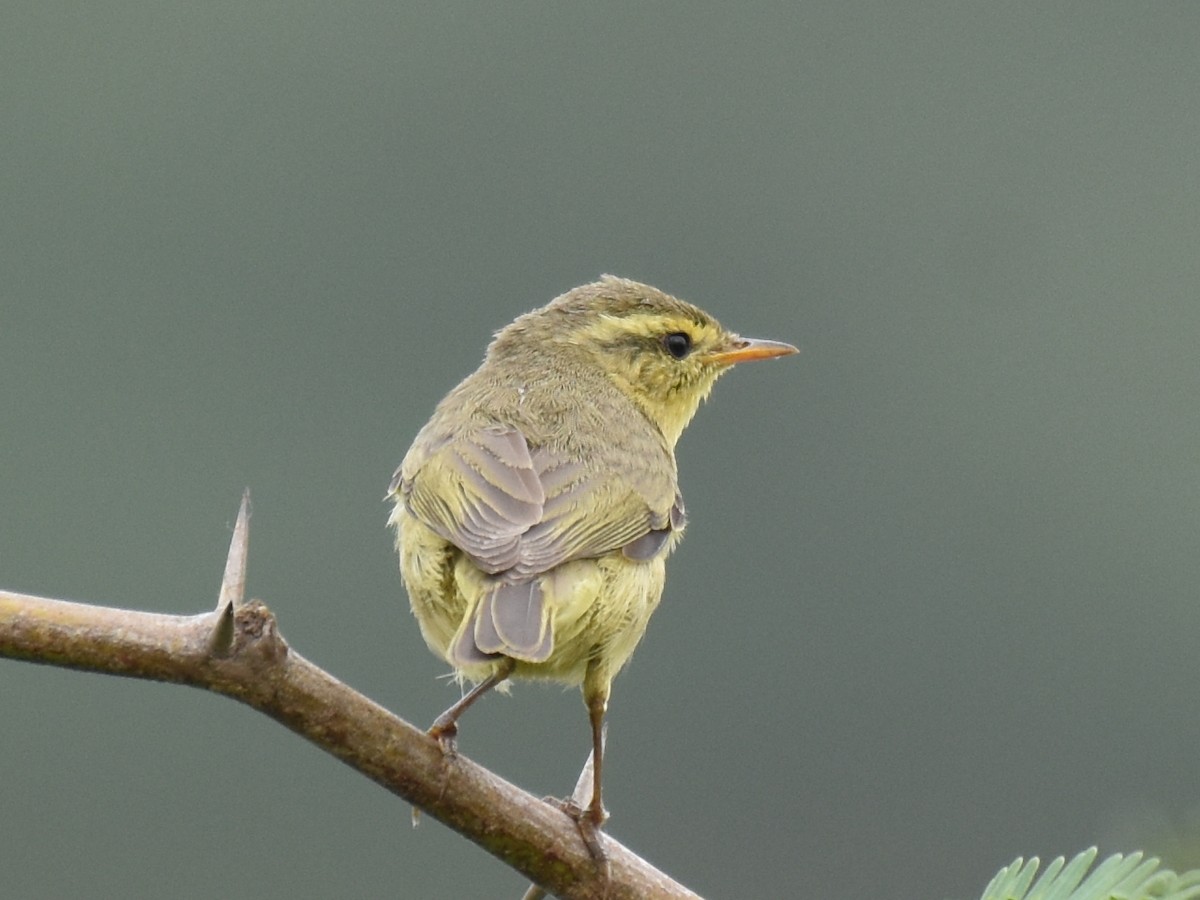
pixel 237 650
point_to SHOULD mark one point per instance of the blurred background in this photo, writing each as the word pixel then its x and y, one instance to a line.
pixel 937 606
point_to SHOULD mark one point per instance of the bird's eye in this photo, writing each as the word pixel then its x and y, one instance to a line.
pixel 678 344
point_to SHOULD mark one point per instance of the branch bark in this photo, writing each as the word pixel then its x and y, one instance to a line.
pixel 237 650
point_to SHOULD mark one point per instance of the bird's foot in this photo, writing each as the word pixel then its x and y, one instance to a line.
pixel 445 732
pixel 590 822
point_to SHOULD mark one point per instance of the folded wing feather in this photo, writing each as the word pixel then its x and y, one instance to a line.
pixel 518 514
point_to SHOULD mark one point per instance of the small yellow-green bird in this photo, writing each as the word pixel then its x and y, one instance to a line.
pixel 535 510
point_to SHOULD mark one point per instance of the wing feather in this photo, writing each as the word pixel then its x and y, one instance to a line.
pixel 518 513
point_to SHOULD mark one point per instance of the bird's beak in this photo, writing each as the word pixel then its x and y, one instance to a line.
pixel 741 349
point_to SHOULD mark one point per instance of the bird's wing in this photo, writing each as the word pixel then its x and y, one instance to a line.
pixel 478 490
pixel 601 513
pixel 521 512
pixel 518 513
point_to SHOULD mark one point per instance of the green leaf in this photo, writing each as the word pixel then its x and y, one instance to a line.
pixel 1116 878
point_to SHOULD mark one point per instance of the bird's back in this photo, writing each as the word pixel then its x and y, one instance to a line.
pixel 539 488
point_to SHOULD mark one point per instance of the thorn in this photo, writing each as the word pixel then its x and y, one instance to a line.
pixel 222 636
pixel 233 584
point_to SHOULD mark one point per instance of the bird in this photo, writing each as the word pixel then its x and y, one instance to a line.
pixel 535 510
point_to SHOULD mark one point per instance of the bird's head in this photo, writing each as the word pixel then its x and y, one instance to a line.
pixel 663 353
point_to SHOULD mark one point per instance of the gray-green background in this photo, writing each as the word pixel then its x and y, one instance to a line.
pixel 937 604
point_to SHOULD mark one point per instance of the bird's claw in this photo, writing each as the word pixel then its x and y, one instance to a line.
pixel 446 734
pixel 590 822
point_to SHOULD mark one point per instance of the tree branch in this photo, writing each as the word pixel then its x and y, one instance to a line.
pixel 237 650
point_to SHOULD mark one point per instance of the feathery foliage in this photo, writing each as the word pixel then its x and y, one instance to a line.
pixel 1117 878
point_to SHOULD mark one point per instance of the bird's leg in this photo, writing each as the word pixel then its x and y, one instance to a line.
pixel 597 707
pixel 445 726
pixel 591 820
